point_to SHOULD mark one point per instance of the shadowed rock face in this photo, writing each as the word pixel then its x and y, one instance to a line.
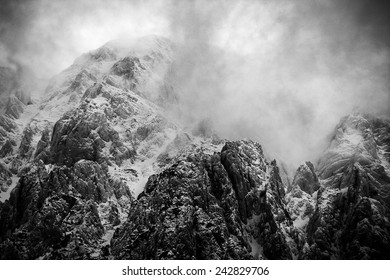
pixel 54 215
pixel 199 208
pixel 82 134
pixel 351 220
pixel 306 178
pixel 73 139
pixel 127 68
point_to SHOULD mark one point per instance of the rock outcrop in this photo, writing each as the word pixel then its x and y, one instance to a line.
pixel 54 215
pixel 351 219
pixel 206 206
pixel 306 178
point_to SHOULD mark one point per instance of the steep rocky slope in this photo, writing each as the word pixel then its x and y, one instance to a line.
pixel 72 162
pixel 98 169
pixel 351 219
pixel 210 204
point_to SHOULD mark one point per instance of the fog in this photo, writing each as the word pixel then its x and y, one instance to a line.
pixel 47 35
pixel 280 72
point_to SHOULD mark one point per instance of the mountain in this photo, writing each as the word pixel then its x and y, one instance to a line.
pixel 351 219
pixel 99 169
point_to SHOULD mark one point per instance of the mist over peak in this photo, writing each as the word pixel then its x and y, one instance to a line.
pixel 282 73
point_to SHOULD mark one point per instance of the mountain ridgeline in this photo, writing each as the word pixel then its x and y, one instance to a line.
pixel 97 169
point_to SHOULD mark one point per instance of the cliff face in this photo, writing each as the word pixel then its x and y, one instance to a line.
pixel 97 169
pixel 352 211
pixel 61 214
pixel 210 205
pixel 72 162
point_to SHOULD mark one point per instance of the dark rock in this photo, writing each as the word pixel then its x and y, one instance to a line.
pixel 7 124
pixel 176 218
pixel 25 149
pixel 42 151
pixel 6 149
pixel 306 178
pixel 127 67
pixel 54 215
pixel 5 176
pixel 193 209
pixel 351 219
pixel 237 160
pixel 80 135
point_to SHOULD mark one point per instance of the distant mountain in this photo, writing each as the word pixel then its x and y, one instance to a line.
pixel 98 169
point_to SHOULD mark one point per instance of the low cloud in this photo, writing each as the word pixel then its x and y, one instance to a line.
pixel 282 72
pixel 47 35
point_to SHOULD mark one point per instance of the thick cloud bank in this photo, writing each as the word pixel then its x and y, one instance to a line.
pixel 285 71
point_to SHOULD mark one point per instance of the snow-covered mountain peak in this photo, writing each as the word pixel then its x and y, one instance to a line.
pixel 102 162
pixel 355 141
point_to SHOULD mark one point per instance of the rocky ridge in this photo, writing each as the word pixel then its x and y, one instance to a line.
pixel 351 219
pixel 98 170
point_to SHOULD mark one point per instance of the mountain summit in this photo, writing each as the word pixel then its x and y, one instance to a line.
pixel 99 169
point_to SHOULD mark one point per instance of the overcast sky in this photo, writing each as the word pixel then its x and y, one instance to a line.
pixel 34 30
pixel 286 72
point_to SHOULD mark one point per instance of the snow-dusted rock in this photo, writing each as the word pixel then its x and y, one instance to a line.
pixel 209 206
pixel 351 219
pixel 306 178
pixel 98 168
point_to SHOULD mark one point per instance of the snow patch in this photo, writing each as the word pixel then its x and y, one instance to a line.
pixel 382 157
pixel 257 249
pixel 99 101
pixel 344 190
pixel 5 195
pixel 136 174
pixel 30 111
pixel 108 236
pixel 301 223
pixel 314 195
pixel 353 137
